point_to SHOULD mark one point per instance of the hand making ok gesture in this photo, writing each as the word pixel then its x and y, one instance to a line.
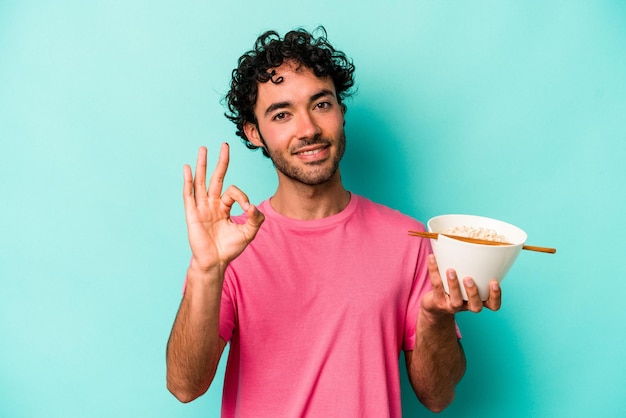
pixel 214 238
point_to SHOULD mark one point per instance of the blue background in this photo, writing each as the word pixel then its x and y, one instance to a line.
pixel 509 109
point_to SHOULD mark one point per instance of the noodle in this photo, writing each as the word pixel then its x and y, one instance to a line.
pixel 480 233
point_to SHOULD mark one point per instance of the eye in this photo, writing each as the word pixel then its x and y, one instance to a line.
pixel 279 116
pixel 323 105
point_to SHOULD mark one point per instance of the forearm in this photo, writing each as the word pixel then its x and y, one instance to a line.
pixel 437 362
pixel 194 347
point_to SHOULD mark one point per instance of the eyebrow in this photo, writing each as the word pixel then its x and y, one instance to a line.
pixel 281 105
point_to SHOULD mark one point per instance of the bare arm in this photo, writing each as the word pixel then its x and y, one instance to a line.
pixel 195 347
pixel 437 362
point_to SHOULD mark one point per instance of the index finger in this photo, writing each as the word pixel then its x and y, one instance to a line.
pixel 217 178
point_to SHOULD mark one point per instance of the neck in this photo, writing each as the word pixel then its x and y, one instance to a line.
pixel 300 201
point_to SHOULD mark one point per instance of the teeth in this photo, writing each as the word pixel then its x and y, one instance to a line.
pixel 315 151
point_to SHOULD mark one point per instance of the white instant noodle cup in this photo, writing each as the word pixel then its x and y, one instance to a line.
pixel 483 263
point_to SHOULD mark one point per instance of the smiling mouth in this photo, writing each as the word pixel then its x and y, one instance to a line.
pixel 311 152
pixel 311 149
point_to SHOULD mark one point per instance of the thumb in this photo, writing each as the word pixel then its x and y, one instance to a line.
pixel 435 278
pixel 254 221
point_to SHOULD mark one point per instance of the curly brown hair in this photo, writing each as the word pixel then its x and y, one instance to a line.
pixel 269 52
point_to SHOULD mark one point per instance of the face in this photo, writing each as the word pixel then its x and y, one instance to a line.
pixel 300 124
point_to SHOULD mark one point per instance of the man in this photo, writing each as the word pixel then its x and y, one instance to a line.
pixel 317 290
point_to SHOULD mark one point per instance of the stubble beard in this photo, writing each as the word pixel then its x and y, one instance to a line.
pixel 313 177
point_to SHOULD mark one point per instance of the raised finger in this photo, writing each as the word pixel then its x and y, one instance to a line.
pixel 217 178
pixel 187 185
pixel 199 181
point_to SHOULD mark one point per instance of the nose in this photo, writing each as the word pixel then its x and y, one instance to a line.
pixel 307 126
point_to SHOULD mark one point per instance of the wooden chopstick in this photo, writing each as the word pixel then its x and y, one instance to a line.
pixel 434 235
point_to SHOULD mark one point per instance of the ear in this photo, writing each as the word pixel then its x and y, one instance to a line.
pixel 252 133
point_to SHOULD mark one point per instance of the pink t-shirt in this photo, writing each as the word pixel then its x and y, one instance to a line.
pixel 317 312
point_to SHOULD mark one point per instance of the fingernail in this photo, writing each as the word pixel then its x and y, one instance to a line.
pixel 431 258
pixel 451 274
pixel 495 286
pixel 468 283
